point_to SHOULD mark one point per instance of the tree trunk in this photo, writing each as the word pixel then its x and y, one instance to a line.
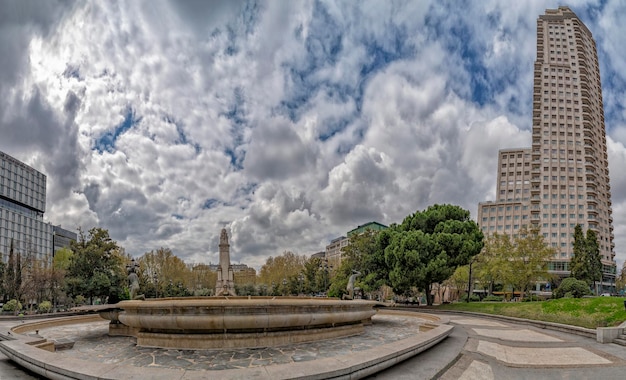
pixel 429 297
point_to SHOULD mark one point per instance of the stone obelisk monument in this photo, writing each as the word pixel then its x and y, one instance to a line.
pixel 225 285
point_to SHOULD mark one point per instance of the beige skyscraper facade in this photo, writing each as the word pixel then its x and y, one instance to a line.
pixel 563 179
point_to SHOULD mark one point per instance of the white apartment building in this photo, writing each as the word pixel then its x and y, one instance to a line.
pixel 563 179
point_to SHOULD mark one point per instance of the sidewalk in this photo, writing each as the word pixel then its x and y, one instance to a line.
pixel 498 349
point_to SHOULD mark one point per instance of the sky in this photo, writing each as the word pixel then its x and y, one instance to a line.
pixel 288 123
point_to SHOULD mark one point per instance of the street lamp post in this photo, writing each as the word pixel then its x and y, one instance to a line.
pixel 301 280
pixel 327 269
pixel 284 285
pixel 55 289
pixel 469 281
pixel 324 267
pixel 155 278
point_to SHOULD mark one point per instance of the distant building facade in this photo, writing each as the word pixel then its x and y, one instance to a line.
pixel 333 250
pixel 333 253
pixel 371 226
pixel 562 180
pixel 319 255
pixel 242 273
pixel 61 238
pixel 22 205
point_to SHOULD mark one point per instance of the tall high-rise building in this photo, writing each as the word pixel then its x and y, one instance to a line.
pixel 22 205
pixel 563 179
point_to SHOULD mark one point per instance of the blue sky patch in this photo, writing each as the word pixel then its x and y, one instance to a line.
pixel 237 116
pixel 210 203
pixel 106 142
pixel 72 71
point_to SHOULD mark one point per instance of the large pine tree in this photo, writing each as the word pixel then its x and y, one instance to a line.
pixel 428 247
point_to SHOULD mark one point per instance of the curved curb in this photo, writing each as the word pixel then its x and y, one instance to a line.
pixel 576 330
pixel 350 366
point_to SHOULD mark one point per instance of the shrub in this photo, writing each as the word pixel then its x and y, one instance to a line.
pixel 531 298
pixel 12 305
pixel 473 298
pixel 45 307
pixel 493 298
pixel 571 287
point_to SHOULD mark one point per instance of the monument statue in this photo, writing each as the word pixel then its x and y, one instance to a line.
pixel 350 286
pixel 225 285
pixel 133 281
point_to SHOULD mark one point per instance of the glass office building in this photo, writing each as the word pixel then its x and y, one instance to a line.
pixel 22 205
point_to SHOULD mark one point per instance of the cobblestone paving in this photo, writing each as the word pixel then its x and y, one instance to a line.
pixel 93 344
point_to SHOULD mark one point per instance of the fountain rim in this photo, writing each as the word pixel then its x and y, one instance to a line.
pixel 242 301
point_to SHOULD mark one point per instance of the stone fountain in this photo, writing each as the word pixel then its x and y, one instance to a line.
pixel 229 321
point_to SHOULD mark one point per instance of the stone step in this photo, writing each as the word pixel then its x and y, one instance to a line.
pixel 621 340
pixel 63 344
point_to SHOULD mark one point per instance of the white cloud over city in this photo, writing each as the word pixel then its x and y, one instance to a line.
pixel 289 123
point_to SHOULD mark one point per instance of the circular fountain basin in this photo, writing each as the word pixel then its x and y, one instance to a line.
pixel 220 322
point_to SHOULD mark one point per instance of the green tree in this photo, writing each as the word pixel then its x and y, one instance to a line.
pixel 285 267
pixel 9 277
pixel 18 276
pixel 529 260
pixel 12 305
pixel 571 287
pixel 518 262
pixel 491 260
pixel 13 275
pixel 366 255
pixel 62 259
pixel 314 276
pixel 620 281
pixel 36 274
pixel 44 307
pixel 3 287
pixel 204 280
pixel 173 276
pixel 579 265
pixel 96 267
pixel 60 265
pixel 586 264
pixel 246 290
pixel 458 281
pixel 592 250
pixel 428 247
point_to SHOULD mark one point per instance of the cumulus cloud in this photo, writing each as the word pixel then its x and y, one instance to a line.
pixel 289 123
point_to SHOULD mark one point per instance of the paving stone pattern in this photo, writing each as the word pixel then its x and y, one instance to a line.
pixel 508 350
pixel 93 344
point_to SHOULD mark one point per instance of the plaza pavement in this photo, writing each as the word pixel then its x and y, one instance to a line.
pixel 392 337
pixel 478 348
pixel 490 349
pixel 9 370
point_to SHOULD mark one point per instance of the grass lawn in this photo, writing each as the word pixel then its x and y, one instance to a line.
pixel 584 312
